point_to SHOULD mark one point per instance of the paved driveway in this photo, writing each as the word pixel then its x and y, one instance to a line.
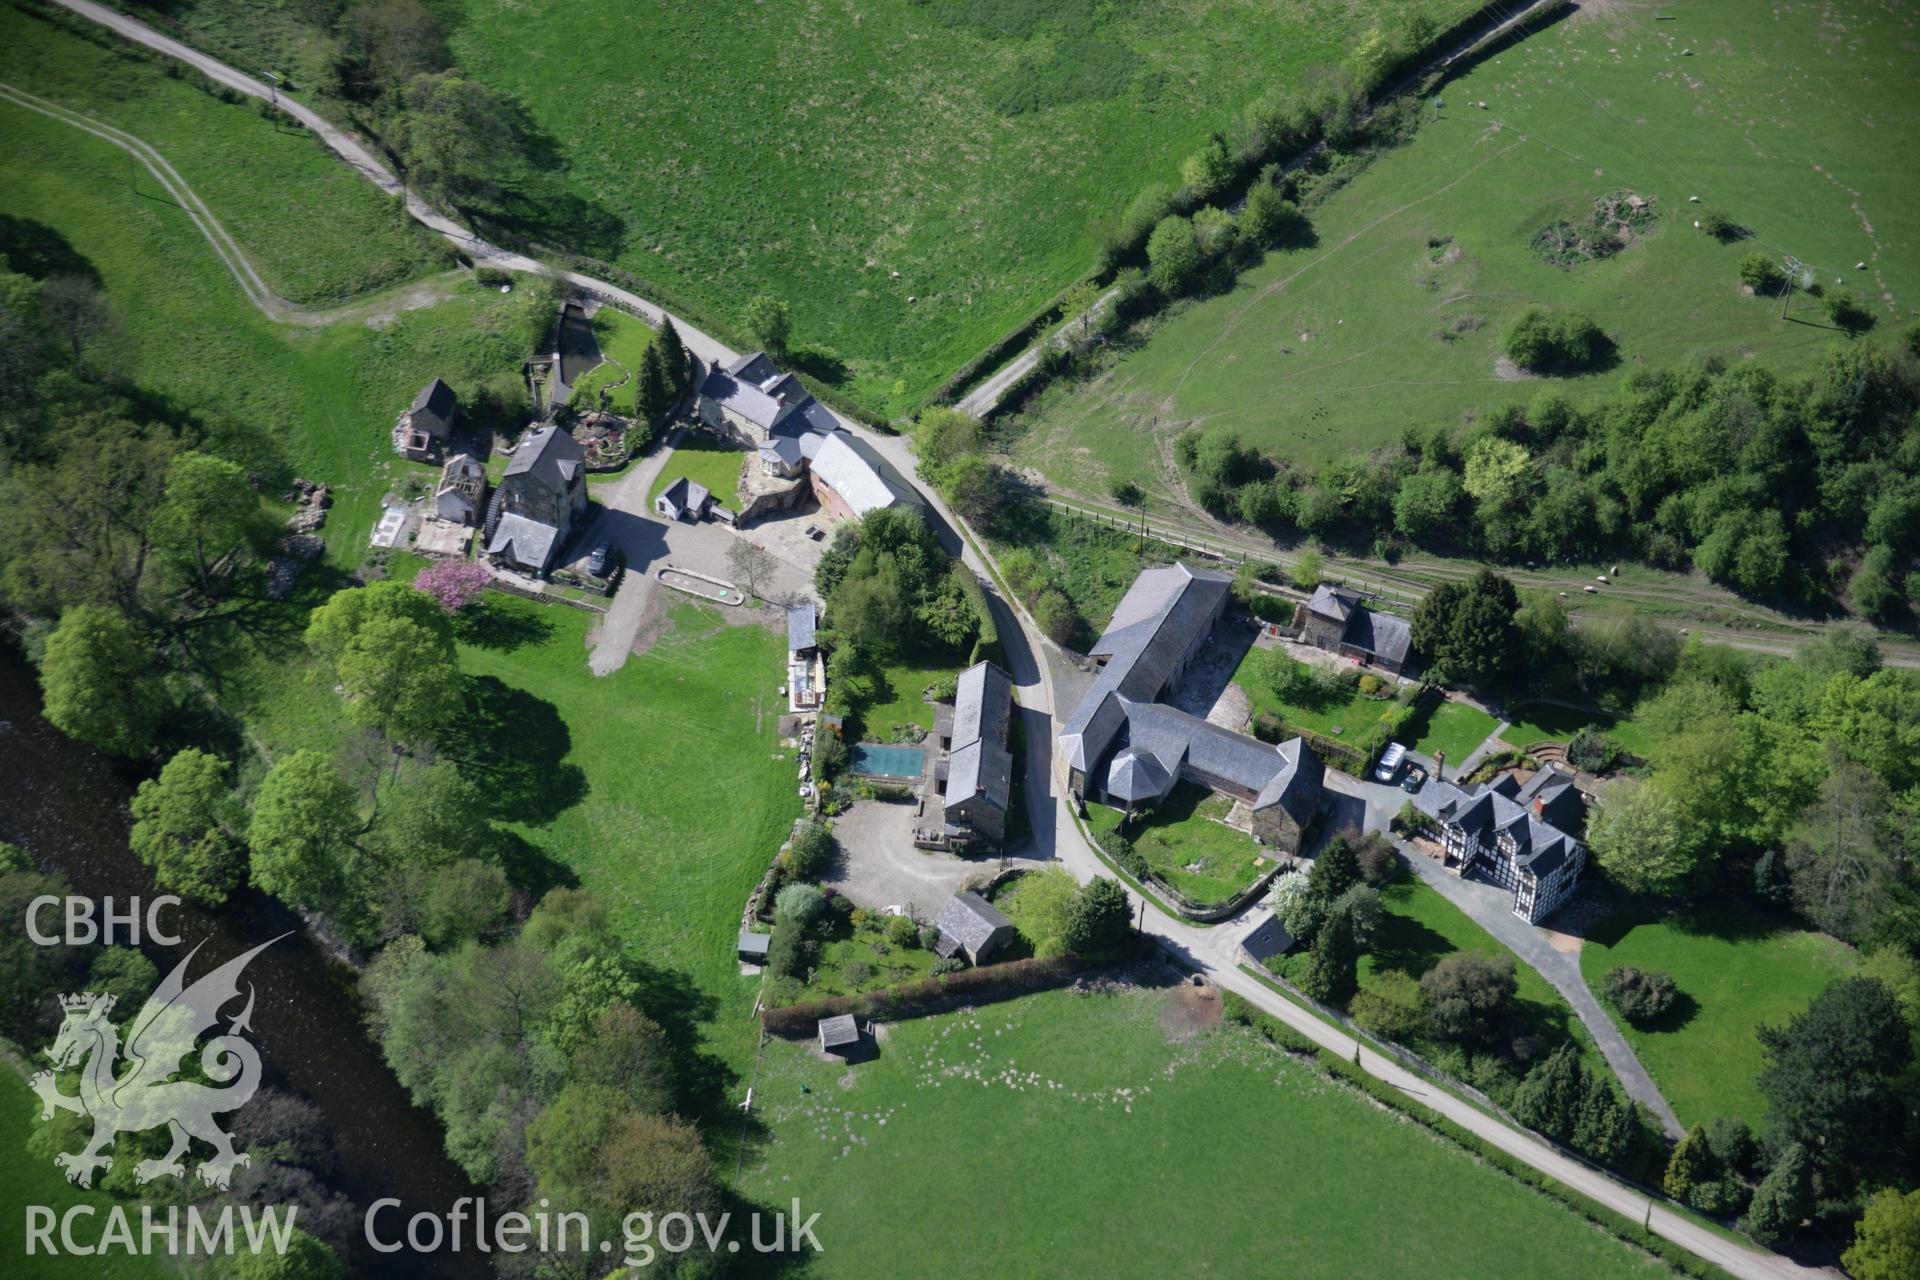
pixel 878 867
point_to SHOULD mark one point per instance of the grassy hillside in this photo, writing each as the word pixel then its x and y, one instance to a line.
pixel 1734 973
pixel 1396 316
pixel 1095 1134
pixel 316 230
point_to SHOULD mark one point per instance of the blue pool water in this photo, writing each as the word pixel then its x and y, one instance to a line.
pixel 875 761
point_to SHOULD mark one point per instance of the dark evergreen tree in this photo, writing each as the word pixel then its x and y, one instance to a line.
pixel 653 393
pixel 1330 975
pixel 1784 1198
pixel 1336 870
pixel 1830 1078
pixel 674 358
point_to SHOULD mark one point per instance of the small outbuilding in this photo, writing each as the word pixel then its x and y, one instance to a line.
pixel 839 1035
pixel 753 946
pixel 684 499
pixel 969 925
pixel 1269 940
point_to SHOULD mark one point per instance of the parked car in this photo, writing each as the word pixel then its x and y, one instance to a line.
pixel 597 562
pixel 815 532
pixel 1416 778
pixel 1390 761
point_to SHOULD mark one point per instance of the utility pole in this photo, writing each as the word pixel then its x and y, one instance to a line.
pixel 273 88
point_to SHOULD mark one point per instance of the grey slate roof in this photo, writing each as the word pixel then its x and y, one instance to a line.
pixel 1269 940
pixel 1155 624
pixel 1333 602
pixel 754 944
pixel 786 448
pixel 437 400
pixel 968 921
pixel 982 701
pixel 1486 814
pixel 523 540
pixel 802 618
pixel 1382 634
pixel 549 456
pixel 1297 787
pixel 1133 777
pixel 686 495
pixel 980 770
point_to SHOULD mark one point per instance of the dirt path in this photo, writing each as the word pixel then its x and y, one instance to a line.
pixel 420 293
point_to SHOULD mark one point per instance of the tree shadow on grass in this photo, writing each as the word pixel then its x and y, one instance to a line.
pixel 37 250
pixel 514 747
pixel 1408 945
pixel 530 867
pixel 493 626
pixel 1683 1010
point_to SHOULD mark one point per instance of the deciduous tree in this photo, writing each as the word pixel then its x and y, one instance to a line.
pixel 99 683
pixel 767 322
pixel 186 827
pixel 1886 1244
pixel 303 832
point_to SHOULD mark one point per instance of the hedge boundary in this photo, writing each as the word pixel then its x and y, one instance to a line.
pixel 930 995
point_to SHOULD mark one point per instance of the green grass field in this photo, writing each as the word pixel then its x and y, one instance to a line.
pixel 1346 714
pixel 1453 727
pixel 1188 845
pixel 623 341
pixel 33 1180
pixel 900 697
pixel 1419 928
pixel 1735 970
pixel 1550 722
pixel 704 461
pixel 1074 1129
pixel 316 230
pixel 1395 317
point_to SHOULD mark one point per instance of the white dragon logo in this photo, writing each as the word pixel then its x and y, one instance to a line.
pixel 146 1096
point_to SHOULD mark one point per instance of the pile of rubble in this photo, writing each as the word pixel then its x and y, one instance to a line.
pixel 312 500
pixel 297 551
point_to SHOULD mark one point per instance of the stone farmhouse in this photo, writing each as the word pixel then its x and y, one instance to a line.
pixel 974 772
pixel 800 447
pixel 1510 834
pixel 423 430
pixel 1122 746
pixel 1337 622
pixel 463 482
pixel 541 494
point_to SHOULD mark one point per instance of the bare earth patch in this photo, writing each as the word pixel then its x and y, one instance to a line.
pixel 1189 1010
pixel 1507 371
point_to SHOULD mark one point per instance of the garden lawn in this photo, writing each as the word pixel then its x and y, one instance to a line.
pixel 899 698
pixel 1395 316
pixel 1551 722
pixel 1736 970
pixel 1345 715
pixel 1453 727
pixel 706 461
pixel 1188 844
pixel 315 229
pixel 1095 1140
pixel 31 1179
pixel 1419 927
pixel 842 958
pixel 662 787
pixel 624 340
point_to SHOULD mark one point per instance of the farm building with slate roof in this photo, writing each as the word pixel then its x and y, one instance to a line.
pixel 1124 747
pixel 969 925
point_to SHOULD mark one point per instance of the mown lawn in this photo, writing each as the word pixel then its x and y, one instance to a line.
pixel 31 1179
pixel 1395 316
pixel 1453 727
pixel 1188 845
pixel 1736 969
pixel 1075 1130
pixel 706 461
pixel 1419 928
pixel 1345 713
pixel 899 697
pixel 662 786
pixel 623 341
pixel 1551 722
pixel 315 229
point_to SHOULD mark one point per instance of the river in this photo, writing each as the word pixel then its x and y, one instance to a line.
pixel 67 805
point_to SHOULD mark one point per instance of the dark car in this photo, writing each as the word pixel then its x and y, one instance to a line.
pixel 597 562
pixel 1415 779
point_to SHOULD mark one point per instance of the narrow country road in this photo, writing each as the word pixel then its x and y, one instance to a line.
pixel 1056 833
pixel 986 397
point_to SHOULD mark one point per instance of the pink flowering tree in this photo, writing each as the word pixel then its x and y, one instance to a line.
pixel 454 584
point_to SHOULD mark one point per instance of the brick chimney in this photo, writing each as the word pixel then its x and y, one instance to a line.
pixel 1439 766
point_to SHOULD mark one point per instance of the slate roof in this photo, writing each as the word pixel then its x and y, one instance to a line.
pixel 1155 624
pixel 802 618
pixel 863 479
pixel 1133 777
pixel 1334 602
pixel 967 921
pixel 1296 789
pixel 685 494
pixel 786 449
pixel 982 701
pixel 437 399
pixel 1269 940
pixel 1487 814
pixel 1559 799
pixel 549 456
pixel 982 770
pixel 523 540
pixel 754 944
pixel 1382 634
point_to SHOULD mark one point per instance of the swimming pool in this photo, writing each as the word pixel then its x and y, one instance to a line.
pixel 873 760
